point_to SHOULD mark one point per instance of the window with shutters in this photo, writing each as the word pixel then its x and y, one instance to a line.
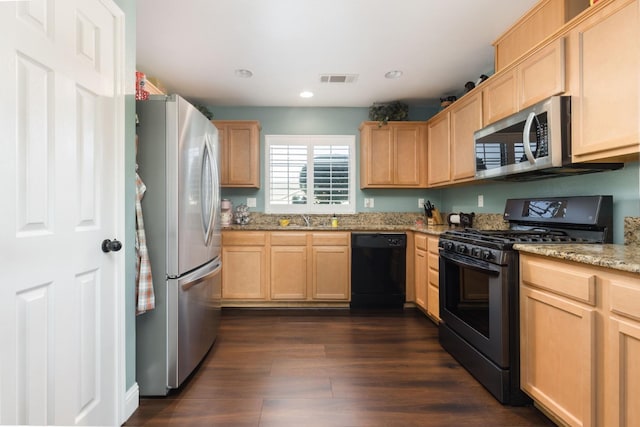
pixel 310 174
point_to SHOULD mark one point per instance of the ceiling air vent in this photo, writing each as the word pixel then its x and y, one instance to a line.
pixel 338 78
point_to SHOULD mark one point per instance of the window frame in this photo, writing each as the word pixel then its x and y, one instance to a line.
pixel 310 141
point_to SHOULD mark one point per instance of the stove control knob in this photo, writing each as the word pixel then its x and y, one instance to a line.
pixel 476 252
pixel 448 246
pixel 461 249
pixel 487 255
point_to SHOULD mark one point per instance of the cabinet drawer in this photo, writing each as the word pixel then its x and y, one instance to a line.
pixel 421 241
pixel 330 239
pixel 575 282
pixel 434 278
pixel 433 262
pixel 288 238
pixel 243 238
pixel 625 299
pixel 433 245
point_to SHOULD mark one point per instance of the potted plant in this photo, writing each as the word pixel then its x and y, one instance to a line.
pixel 382 112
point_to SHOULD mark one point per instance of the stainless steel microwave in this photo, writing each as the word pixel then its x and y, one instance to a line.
pixel 531 144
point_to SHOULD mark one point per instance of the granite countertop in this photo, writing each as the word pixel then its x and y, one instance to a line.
pixel 427 229
pixel 617 257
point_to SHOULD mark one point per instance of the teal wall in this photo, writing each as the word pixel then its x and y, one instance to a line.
pixel 623 184
pixel 129 8
pixel 322 121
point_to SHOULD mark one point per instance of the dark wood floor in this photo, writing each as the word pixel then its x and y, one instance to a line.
pixel 330 368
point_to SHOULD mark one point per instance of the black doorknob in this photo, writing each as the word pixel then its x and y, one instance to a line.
pixel 111 245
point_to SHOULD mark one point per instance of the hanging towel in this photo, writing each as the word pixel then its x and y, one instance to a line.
pixel 145 299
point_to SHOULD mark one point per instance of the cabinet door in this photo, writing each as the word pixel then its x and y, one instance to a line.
pixel 545 18
pixel 393 155
pixel 466 118
pixel 558 355
pixel 433 287
pixel 410 153
pixel 244 272
pixel 541 75
pixel 288 272
pixel 622 353
pixel 377 156
pixel 438 158
pixel 623 374
pixel 421 277
pixel 499 97
pixel 331 273
pixel 604 69
pixel 239 153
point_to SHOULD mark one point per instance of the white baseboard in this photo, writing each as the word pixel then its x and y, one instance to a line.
pixel 131 400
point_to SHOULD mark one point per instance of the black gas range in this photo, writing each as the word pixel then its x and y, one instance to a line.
pixel 479 281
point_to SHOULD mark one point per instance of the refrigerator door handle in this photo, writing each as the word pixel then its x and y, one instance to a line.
pixel 190 280
pixel 208 183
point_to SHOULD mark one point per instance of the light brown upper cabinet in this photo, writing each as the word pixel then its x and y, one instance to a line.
pixel 499 96
pixel 439 149
pixel 466 118
pixel 393 155
pixel 239 153
pixel 542 74
pixel 603 69
pixel 539 76
pixel 451 152
pixel 544 19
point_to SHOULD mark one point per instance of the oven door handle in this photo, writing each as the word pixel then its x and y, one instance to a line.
pixel 472 263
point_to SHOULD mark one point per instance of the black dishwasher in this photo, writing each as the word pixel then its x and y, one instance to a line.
pixel 378 270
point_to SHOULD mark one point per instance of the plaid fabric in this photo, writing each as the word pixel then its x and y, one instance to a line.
pixel 145 299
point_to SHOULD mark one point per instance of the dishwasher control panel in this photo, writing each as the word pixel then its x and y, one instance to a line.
pixel 378 240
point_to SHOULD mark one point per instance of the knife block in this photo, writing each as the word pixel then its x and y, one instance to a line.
pixel 436 218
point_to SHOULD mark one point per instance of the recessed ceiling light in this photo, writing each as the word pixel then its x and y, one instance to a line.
pixel 306 94
pixel 395 74
pixel 243 73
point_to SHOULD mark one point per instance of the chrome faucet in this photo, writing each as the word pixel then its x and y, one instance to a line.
pixel 307 220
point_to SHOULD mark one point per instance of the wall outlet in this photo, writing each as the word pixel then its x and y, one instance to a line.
pixel 420 203
pixel 480 200
pixel 251 202
pixel 368 202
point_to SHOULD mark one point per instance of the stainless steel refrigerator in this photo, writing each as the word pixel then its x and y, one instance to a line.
pixel 178 157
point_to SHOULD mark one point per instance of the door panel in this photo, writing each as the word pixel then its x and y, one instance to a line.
pixel 193 133
pixel 61 171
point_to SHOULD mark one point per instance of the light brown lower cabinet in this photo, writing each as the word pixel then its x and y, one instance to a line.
pixel 244 265
pixel 425 260
pixel 421 269
pixel 287 266
pixel 433 286
pixel 331 273
pixel 622 354
pixel 288 262
pixel 580 341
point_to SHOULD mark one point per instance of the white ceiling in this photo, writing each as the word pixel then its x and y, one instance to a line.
pixel 194 46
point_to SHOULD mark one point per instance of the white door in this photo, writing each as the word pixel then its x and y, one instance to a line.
pixel 61 178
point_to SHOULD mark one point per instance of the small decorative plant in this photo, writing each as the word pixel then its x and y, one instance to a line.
pixel 382 112
pixel 205 111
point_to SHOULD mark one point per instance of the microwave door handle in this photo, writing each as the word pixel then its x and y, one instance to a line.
pixel 525 138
